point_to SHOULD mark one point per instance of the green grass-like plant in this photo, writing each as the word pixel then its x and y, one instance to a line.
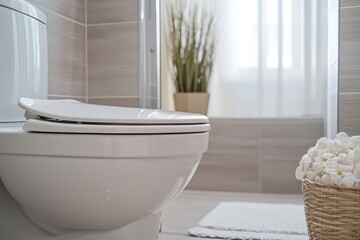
pixel 192 44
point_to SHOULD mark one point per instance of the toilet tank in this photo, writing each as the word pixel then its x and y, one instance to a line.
pixel 23 57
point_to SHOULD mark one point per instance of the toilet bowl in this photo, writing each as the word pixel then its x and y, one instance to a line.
pixel 82 167
pixel 82 171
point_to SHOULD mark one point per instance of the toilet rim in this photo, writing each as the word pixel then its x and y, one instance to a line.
pixel 59 127
pixel 71 116
pixel 16 141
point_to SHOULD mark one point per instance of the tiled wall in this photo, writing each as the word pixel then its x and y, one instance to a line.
pixel 349 66
pixel 113 52
pixel 66 46
pixel 93 50
pixel 254 155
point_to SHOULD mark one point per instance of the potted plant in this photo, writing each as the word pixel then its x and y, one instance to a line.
pixel 192 55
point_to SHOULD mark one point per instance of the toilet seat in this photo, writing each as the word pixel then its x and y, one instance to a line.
pixel 70 116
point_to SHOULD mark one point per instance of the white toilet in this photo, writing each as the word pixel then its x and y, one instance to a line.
pixel 75 167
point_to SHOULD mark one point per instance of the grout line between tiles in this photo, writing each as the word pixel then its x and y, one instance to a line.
pixel 111 23
pixel 349 93
pixel 112 97
pixel 64 96
pixel 347 7
pixel 61 16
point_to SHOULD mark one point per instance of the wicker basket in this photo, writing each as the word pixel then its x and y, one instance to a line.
pixel 332 213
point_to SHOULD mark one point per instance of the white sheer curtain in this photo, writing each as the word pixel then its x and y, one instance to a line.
pixel 270 59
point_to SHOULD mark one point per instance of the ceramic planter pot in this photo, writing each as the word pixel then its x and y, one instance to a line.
pixel 193 102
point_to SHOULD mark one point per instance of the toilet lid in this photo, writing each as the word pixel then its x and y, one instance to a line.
pixel 76 117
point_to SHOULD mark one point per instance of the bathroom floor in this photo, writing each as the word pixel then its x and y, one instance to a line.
pixel 191 206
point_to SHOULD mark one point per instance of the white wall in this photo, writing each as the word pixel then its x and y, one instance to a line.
pixel 333 52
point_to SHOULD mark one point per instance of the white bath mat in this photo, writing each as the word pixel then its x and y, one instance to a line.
pixel 238 220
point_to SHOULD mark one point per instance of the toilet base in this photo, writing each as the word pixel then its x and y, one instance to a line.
pixel 146 228
pixel 15 225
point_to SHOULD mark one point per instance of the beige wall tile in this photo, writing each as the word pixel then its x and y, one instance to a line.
pixel 349 19
pixel 73 9
pixel 349 113
pixel 279 177
pixel 123 102
pixel 52 97
pixel 232 161
pixel 239 131
pixel 227 172
pixel 109 11
pixel 297 127
pixel 66 48
pixel 255 155
pixel 349 53
pixel 349 64
pixel 289 139
pixel 283 142
pixel 113 62
pixel 349 80
pixel 288 148
pixel 349 3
